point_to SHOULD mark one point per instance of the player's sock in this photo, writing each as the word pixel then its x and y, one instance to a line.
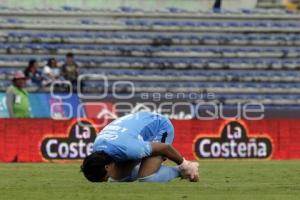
pixel 164 174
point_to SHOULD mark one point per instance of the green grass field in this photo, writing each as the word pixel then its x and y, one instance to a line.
pixel 219 180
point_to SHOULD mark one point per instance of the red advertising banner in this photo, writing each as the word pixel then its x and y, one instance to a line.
pixel 46 140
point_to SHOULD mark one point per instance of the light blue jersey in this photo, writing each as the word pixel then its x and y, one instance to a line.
pixel 130 137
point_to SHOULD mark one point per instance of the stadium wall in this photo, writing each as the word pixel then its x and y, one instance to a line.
pixel 191 5
pixel 46 140
pixel 64 106
pixel 45 105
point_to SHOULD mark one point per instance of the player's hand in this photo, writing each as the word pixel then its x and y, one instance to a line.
pixel 189 170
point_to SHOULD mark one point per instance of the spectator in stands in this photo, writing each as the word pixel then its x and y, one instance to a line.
pixel 292 5
pixel 217 6
pixel 70 70
pixel 17 99
pixel 33 74
pixel 51 71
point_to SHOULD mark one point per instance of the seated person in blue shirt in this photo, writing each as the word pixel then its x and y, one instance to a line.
pixel 134 147
pixel 34 75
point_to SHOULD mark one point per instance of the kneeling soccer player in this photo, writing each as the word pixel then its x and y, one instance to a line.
pixel 133 147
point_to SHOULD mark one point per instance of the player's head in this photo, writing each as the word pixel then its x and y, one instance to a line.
pixel 94 166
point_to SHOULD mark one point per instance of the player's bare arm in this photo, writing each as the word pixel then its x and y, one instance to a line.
pixel 188 169
pixel 168 151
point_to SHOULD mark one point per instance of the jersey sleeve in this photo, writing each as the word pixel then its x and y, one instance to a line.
pixel 138 150
pixel 129 149
pixel 123 147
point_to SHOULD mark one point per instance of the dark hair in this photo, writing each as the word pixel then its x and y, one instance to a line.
pixel 93 166
pixel 70 55
pixel 28 68
pixel 49 61
pixel 31 62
